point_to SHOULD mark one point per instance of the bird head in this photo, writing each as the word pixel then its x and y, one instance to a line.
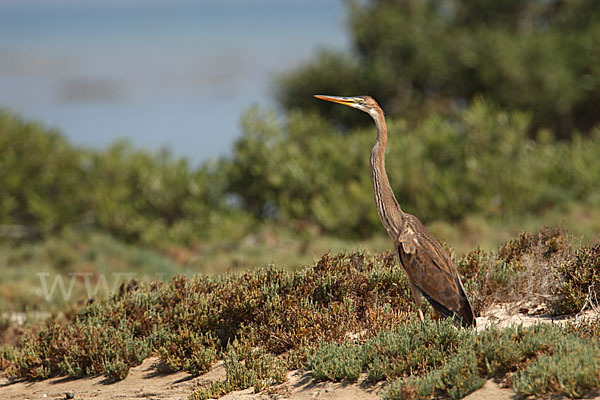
pixel 363 103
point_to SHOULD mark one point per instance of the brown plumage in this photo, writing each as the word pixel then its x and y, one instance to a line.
pixel 427 265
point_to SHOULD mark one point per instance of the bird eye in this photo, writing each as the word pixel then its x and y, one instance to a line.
pixel 360 101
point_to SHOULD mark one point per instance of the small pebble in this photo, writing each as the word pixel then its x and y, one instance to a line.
pixel 69 395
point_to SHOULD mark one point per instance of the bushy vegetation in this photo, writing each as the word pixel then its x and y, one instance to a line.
pixel 573 367
pixel 407 349
pixel 189 321
pixel 346 315
pixel 418 57
pixel 48 185
pixel 40 177
pixel 259 370
pixel 529 268
pixel 476 93
pixel 581 276
pixel 532 356
pixel 480 163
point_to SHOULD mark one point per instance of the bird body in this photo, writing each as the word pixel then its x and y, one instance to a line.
pixel 429 268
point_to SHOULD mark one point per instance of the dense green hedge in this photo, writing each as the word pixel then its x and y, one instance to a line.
pixel 46 185
pixel 482 162
pixel 296 169
pixel 41 176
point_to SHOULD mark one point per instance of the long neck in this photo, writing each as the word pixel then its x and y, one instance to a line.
pixel 389 211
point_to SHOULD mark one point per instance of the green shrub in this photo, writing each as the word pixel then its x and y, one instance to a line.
pixel 481 162
pixel 41 179
pixel 418 57
pixel 336 362
pixel 146 197
pixel 501 351
pixel 255 368
pixel 47 185
pixel 547 359
pixel 573 369
pixel 456 378
pixel 409 348
pixel 115 369
pixel 187 350
pixel 460 376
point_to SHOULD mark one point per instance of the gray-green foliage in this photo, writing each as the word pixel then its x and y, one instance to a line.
pixel 410 348
pixel 423 360
pixel 337 361
pixel 481 162
pixel 254 368
pixel 41 179
pixel 344 316
pixel 456 378
pixel 302 169
pixel 47 184
pixel 573 369
pixel 547 359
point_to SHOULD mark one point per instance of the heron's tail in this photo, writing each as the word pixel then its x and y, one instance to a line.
pixel 463 316
pixel 467 318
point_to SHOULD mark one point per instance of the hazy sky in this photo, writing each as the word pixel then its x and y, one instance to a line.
pixel 173 72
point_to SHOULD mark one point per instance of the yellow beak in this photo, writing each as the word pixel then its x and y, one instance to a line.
pixel 347 101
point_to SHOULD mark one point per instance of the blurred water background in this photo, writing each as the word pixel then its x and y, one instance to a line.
pixel 175 73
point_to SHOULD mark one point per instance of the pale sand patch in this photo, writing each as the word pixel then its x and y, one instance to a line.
pixel 143 382
pixel 301 386
pixel 527 314
pixel 491 391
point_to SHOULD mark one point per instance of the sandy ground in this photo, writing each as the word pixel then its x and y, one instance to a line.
pixel 143 382
pixel 526 314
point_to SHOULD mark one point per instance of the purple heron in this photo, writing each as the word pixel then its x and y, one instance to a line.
pixel 430 271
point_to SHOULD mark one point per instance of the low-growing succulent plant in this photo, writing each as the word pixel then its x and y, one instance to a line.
pixel 346 316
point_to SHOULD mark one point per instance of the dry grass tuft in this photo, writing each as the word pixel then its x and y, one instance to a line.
pixel 525 269
pixel 580 281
